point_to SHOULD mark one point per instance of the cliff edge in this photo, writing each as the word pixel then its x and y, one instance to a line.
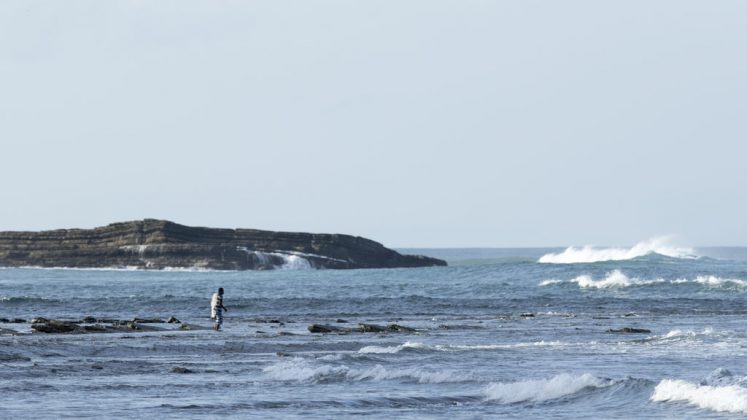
pixel 160 244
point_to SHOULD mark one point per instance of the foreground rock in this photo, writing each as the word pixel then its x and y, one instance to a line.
pixel 361 328
pixel 93 325
pixel 158 244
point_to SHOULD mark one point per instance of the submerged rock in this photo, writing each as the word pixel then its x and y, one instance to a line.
pixel 361 328
pixel 8 331
pixel 14 357
pixel 12 320
pixel 629 330
pixel 181 370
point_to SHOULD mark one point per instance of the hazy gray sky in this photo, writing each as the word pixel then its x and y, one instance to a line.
pixel 414 123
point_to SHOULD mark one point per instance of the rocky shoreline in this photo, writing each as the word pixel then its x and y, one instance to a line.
pixel 161 244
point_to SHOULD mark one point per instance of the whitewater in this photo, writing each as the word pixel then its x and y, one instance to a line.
pixel 499 333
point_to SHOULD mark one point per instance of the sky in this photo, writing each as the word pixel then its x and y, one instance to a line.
pixel 414 123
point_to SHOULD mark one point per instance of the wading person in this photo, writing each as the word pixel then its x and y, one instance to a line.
pixel 217 308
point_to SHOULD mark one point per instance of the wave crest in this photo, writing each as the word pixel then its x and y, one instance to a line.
pixel 730 398
pixel 537 390
pixel 588 254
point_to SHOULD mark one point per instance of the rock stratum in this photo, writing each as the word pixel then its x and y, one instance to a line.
pixel 160 244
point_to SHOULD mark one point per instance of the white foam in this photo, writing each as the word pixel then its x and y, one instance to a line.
pixel 678 333
pixel 731 398
pixel 588 254
pixel 294 262
pixel 537 390
pixel 291 260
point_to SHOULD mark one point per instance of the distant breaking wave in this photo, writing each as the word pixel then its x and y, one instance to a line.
pixel 618 279
pixel 588 254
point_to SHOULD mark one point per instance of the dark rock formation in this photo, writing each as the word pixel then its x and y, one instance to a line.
pixel 629 330
pixel 361 328
pixel 90 324
pixel 53 326
pixel 158 244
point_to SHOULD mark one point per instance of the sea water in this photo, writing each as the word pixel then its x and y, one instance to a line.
pixel 512 333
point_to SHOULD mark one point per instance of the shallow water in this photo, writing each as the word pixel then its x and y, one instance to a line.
pixel 474 354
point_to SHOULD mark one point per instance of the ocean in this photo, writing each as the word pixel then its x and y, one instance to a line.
pixel 500 333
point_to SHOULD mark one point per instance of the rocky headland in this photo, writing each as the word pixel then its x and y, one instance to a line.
pixel 160 244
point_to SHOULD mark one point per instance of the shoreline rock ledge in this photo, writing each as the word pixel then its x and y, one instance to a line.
pixel 161 244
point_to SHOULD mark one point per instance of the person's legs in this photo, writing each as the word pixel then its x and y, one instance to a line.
pixel 218 320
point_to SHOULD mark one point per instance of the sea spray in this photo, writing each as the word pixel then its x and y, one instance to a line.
pixel 589 254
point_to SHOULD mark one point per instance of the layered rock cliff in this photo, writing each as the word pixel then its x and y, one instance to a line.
pixel 159 244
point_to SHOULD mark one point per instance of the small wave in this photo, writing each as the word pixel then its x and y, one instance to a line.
pixel 730 398
pixel 301 370
pixel 456 347
pixel 538 390
pixel 393 349
pixel 589 254
pixel 713 281
pixel 27 299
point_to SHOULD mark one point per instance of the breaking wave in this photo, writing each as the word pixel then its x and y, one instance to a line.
pixel 301 370
pixel 538 390
pixel 589 254
pixel 618 279
pixel 729 398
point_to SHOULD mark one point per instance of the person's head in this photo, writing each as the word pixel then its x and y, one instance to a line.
pixel 220 291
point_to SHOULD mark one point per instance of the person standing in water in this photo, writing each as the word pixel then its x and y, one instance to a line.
pixel 217 308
